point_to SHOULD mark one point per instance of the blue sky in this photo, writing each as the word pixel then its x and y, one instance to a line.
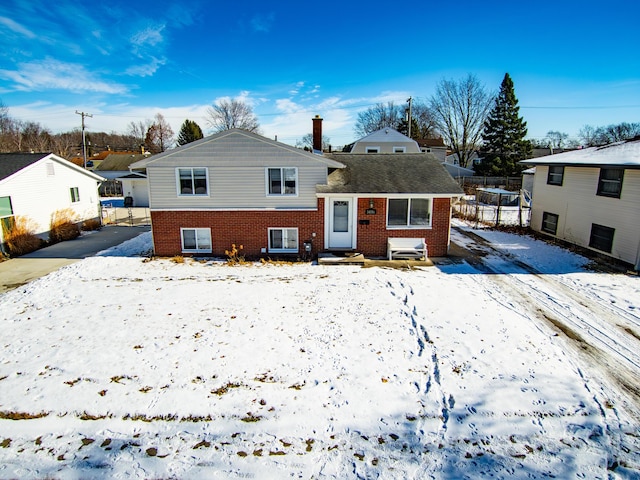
pixel 572 63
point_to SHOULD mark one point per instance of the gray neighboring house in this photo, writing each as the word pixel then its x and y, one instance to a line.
pixel 591 198
pixel 35 185
pixel 386 140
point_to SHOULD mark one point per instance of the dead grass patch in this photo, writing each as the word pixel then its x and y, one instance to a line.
pixel 22 415
pixel 19 236
pixel 63 226
pixel 91 225
pixel 225 388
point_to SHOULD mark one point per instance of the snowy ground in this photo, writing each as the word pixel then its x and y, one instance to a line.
pixel 118 367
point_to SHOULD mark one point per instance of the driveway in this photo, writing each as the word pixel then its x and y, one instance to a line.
pixel 21 270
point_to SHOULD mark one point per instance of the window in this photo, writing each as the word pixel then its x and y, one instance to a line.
pixel 75 195
pixel 556 175
pixel 282 181
pixel 283 240
pixel 408 212
pixel 372 150
pixel 550 223
pixel 6 210
pixel 196 240
pixel 192 181
pixel 399 149
pixel 610 183
pixel 601 237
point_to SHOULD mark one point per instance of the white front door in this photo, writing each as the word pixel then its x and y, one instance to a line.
pixel 341 223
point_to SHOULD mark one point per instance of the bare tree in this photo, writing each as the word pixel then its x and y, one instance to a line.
pixel 587 135
pixel 159 135
pixel 138 130
pixel 378 117
pixel 427 125
pixel 556 139
pixel 228 114
pixel 306 142
pixel 460 110
pixel 65 144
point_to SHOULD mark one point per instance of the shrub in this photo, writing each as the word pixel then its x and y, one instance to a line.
pixel 91 224
pixel 63 226
pixel 19 236
pixel 233 255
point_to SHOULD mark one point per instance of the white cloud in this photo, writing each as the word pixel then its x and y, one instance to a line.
pixel 16 27
pixel 148 69
pixel 50 74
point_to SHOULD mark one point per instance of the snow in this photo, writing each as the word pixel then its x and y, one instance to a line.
pixel 137 367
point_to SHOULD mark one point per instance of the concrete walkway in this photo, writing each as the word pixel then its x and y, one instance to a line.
pixel 21 270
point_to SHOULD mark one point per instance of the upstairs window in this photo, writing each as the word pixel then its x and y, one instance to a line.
pixel 75 194
pixel 282 181
pixel 373 150
pixel 409 212
pixel 6 209
pixel 192 181
pixel 399 149
pixel 610 182
pixel 556 175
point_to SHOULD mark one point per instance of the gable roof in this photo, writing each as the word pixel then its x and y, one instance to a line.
pixel 12 163
pixel 389 173
pixel 167 155
pixel 118 162
pixel 387 136
pixel 619 154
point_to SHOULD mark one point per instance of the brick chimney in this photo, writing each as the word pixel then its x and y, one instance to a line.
pixel 317 133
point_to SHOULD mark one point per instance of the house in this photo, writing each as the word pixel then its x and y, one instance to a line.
pixel 386 140
pixel 591 198
pixel 237 187
pixel 120 180
pixel 35 185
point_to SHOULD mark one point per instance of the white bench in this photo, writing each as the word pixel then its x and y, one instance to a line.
pixel 406 248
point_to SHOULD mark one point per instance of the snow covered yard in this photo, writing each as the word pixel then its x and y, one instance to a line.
pixel 117 367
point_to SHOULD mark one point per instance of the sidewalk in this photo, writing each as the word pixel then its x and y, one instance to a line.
pixel 21 270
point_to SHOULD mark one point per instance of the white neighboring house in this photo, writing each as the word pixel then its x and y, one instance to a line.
pixel 136 186
pixel 35 185
pixel 386 140
pixel 591 198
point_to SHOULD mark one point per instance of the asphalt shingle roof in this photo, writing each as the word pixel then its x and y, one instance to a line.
pixel 11 163
pixel 390 173
pixel 118 162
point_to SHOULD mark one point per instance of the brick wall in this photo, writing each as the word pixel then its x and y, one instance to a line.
pixel 250 229
pixel 372 238
pixel 246 228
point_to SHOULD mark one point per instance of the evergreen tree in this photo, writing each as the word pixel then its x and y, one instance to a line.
pixel 189 132
pixel 503 135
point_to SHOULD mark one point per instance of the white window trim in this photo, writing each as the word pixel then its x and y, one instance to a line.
pixel 195 250
pixel 399 149
pixel 266 183
pixel 371 149
pixel 189 195
pixel 283 250
pixel 408 226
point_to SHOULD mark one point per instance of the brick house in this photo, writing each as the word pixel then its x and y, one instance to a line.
pixel 236 187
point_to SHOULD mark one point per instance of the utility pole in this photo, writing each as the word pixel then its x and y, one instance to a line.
pixel 84 143
pixel 409 119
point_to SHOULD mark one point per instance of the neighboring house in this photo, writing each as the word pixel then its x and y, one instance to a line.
pixel 435 146
pixel 136 186
pixel 386 140
pixel 114 167
pixel 591 198
pixel 35 185
pixel 237 187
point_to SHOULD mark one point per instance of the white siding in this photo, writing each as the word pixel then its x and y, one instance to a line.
pixel 37 195
pixel 236 169
pixel 578 206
